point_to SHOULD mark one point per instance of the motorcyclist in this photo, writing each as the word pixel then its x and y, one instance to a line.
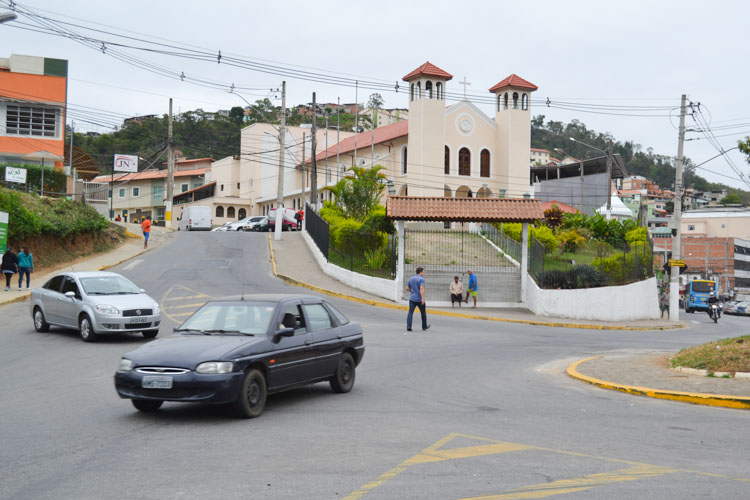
pixel 712 299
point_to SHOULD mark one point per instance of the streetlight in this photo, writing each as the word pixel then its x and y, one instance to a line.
pixel 609 171
pixel 7 16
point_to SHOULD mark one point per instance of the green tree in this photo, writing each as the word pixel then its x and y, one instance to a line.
pixel 237 114
pixel 358 193
pixel 376 101
pixel 730 199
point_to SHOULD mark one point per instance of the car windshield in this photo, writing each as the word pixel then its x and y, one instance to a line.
pixel 108 285
pixel 248 318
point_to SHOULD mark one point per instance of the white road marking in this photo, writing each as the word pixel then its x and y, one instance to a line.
pixel 132 265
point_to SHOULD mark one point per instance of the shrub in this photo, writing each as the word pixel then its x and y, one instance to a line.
pixel 573 278
pixel 541 233
pixel 570 240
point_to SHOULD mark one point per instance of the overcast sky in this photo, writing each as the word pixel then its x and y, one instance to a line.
pixel 615 58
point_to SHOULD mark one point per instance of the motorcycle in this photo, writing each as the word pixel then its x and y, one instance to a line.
pixel 715 313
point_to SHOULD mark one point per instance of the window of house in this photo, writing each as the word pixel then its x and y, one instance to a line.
pixel 184 187
pixel 403 160
pixel 222 187
pixel 691 227
pixel 484 160
pixel 31 120
pixel 230 212
pixel 464 161
pixel 121 193
pixel 219 211
pixel 447 170
pixel 157 192
pixel 136 192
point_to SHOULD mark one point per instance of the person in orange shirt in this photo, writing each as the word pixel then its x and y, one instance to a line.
pixel 146 226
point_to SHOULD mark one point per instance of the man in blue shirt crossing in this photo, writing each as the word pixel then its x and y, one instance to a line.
pixel 415 287
pixel 472 288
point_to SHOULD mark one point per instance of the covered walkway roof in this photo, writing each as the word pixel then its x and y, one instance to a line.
pixel 440 209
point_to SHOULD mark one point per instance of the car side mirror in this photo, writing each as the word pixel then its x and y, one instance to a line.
pixel 70 295
pixel 142 290
pixel 285 332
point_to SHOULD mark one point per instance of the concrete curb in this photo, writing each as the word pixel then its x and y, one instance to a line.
pixel 400 307
pixel 720 400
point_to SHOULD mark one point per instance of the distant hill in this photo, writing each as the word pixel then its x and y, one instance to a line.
pixel 655 167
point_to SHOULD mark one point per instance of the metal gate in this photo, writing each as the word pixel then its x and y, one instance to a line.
pixel 445 253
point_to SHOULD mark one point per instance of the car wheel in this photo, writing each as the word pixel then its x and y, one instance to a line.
pixel 40 324
pixel 343 377
pixel 252 397
pixel 147 405
pixel 149 334
pixel 87 330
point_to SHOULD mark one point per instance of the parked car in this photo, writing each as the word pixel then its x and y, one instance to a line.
pixel 223 227
pixel 261 225
pixel 729 307
pixel 742 309
pixel 195 218
pixel 286 224
pixel 95 303
pixel 240 350
pixel 253 222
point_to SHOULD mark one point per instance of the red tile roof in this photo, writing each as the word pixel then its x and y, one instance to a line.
pixel 564 207
pixel 150 174
pixel 425 208
pixel 428 69
pixel 514 81
pixel 382 134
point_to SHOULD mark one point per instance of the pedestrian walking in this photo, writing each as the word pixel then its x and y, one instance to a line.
pixel 415 287
pixel 298 218
pixel 146 226
pixel 472 288
pixel 457 291
pixel 25 266
pixel 9 266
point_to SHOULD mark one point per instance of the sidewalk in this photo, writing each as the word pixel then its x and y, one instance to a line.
pixel 132 247
pixel 648 374
pixel 296 264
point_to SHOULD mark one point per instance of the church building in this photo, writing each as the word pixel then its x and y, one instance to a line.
pixel 441 150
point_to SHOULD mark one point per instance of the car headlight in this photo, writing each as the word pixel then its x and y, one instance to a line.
pixel 125 365
pixel 107 309
pixel 215 367
pixel 156 308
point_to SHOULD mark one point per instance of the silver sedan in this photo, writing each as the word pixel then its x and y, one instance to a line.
pixel 95 303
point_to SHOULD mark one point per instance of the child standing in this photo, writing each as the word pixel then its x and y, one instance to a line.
pixel 25 266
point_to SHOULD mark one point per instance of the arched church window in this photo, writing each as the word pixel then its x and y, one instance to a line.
pixel 499 101
pixel 484 163
pixel 447 160
pixel 464 161
pixel 219 211
pixel 515 100
pixel 403 159
pixel 329 175
pixel 525 101
pixel 439 90
pixel 230 212
pixel 428 89
pixel 505 101
pixel 241 213
pixel 419 90
pixel 411 92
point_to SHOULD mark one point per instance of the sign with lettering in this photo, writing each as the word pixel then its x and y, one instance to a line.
pixel 15 174
pixel 126 163
pixel 678 263
pixel 3 232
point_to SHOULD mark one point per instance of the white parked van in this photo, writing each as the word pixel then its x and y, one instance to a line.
pixel 195 218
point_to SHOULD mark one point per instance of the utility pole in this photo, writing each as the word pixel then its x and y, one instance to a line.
pixel 609 179
pixel 304 171
pixel 314 174
pixel 170 172
pixel 282 159
pixel 73 172
pixel 338 141
pixel 674 271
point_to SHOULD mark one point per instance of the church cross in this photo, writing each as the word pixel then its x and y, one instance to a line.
pixel 464 83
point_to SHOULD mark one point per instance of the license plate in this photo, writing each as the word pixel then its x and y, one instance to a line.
pixel 139 320
pixel 156 382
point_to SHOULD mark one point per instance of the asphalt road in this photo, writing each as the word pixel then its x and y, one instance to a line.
pixel 470 409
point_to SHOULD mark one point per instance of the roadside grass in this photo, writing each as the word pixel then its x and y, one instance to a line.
pixel 725 355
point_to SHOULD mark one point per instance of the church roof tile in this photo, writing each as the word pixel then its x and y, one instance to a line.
pixel 514 81
pixel 428 69
pixel 426 208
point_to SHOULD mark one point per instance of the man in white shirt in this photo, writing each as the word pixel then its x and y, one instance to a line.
pixel 457 291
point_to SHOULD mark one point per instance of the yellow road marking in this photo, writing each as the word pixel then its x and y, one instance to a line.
pixel 165 297
pixel 186 297
pixel 187 306
pixel 176 315
pixel 562 486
